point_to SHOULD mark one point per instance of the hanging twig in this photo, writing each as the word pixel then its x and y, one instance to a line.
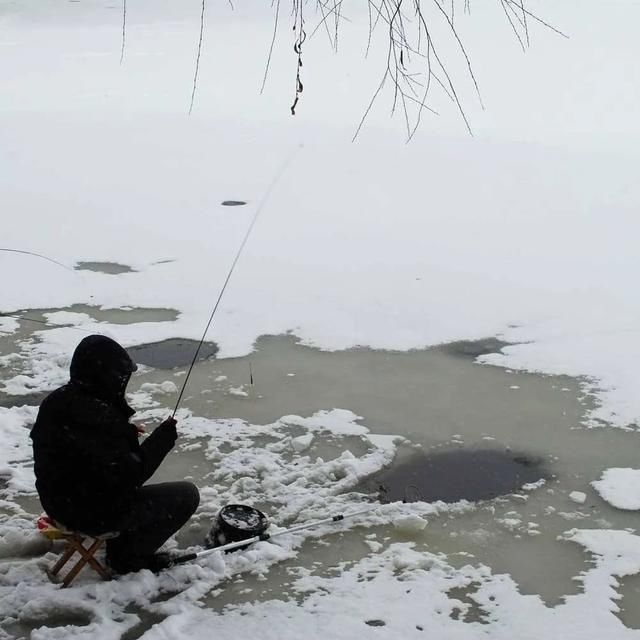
pixel 301 36
pixel 414 66
pixel 195 75
pixel 273 41
pixel 124 29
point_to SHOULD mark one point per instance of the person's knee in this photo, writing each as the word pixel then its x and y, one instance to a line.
pixel 191 497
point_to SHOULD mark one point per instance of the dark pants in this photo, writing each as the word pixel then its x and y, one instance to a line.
pixel 159 511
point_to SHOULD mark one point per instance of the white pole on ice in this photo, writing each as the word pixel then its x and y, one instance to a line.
pixel 267 536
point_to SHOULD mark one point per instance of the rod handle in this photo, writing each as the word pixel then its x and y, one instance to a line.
pixel 182 559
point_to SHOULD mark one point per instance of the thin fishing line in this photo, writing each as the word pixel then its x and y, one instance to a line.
pixel 264 200
pixel 48 259
pixel 44 322
pixel 39 255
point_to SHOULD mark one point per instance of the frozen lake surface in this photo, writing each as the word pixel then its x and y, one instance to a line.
pixel 512 444
pixel 449 318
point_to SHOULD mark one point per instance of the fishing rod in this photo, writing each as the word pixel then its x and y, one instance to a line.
pixel 261 205
pixel 268 536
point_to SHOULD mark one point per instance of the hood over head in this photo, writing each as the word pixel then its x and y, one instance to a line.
pixel 102 365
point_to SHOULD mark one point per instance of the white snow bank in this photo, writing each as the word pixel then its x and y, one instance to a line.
pixel 261 461
pixel 16 460
pixel 8 325
pixel 620 488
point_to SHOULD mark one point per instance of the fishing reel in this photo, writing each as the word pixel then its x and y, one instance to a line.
pixel 234 523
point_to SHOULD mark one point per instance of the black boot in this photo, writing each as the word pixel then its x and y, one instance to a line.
pixel 156 563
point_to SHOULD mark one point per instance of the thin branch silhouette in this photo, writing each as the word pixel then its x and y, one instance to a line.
pixel 273 41
pixel 195 75
pixel 124 29
pixel 415 31
pixel 415 66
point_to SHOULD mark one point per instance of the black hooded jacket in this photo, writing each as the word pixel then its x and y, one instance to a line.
pixel 87 459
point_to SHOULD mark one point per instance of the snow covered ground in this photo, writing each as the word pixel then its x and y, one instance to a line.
pixel 526 231
pixel 620 488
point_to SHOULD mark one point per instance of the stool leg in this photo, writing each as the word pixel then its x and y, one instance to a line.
pixel 75 544
pixel 69 550
pixel 97 566
pixel 86 556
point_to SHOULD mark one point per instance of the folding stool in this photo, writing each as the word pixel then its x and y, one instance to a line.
pixel 75 544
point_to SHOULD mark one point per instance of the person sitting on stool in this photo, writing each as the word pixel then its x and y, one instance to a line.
pixel 90 467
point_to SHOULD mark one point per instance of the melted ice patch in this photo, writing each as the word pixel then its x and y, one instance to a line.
pixel 418 594
pixel 410 589
pixel 249 464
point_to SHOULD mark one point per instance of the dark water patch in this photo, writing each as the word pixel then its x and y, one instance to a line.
pixel 474 612
pixel 456 475
pixel 27 624
pixel 30 399
pixel 147 620
pixel 233 203
pixel 629 612
pixel 110 268
pixel 171 353
pixel 475 348
pixel 375 623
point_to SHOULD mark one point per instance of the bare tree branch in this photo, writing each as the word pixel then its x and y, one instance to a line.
pixel 195 75
pixel 414 66
pixel 273 41
pixel 301 36
pixel 124 29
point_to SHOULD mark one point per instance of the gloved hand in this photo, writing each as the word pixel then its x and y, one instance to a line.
pixel 166 431
pixel 157 446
